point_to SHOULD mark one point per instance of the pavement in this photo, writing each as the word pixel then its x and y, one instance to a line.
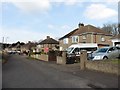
pixel 97 78
pixel 20 72
pixel 105 79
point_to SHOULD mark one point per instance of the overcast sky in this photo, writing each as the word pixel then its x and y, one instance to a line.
pixel 32 20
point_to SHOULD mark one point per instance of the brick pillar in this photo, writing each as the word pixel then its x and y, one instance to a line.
pixel 64 54
pixel 83 59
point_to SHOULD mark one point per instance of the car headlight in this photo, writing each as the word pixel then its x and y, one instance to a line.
pixel 98 57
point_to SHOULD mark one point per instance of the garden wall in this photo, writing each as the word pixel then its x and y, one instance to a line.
pixel 108 66
pixel 42 57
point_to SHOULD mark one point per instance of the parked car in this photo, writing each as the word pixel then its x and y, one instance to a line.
pixel 73 52
pixel 106 53
pixel 12 52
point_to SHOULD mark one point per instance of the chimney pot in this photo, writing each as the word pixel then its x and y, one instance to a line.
pixel 48 37
pixel 80 24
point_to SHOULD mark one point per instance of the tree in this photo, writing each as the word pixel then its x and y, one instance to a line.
pixel 111 28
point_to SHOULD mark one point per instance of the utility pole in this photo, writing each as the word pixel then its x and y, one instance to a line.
pixel 4 41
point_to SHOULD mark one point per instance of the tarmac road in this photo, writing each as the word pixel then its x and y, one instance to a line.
pixel 20 72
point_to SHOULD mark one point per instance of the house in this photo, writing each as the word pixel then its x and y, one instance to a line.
pixel 14 46
pixel 11 47
pixel 48 43
pixel 85 34
pixel 116 40
pixel 28 46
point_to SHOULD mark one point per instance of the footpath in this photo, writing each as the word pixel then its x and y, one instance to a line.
pixel 106 79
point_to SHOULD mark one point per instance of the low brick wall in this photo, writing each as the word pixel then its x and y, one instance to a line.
pixel 104 66
pixel 40 57
pixel 43 57
pixel 59 60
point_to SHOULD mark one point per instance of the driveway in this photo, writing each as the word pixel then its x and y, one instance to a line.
pixel 20 72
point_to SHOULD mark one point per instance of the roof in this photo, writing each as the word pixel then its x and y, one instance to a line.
pixel 49 41
pixel 89 29
pixel 16 45
pixel 69 34
pixel 85 29
pixel 29 44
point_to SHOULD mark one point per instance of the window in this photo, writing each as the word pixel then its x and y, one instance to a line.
pixel 42 46
pixel 111 49
pixel 102 38
pixel 84 37
pixel 76 50
pixel 65 41
pixel 75 39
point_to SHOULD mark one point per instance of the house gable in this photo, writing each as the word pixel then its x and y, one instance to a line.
pixel 86 34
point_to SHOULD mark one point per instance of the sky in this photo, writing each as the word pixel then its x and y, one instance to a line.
pixel 33 20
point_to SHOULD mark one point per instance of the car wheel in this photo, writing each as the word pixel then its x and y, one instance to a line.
pixel 105 57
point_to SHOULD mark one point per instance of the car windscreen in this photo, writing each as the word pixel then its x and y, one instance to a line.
pixel 118 48
pixel 69 49
pixel 102 50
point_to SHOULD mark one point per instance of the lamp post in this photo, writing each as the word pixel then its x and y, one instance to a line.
pixel 4 40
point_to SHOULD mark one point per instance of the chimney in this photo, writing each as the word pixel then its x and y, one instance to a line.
pixel 48 37
pixel 80 25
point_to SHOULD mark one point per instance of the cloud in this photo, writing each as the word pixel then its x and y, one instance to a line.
pixel 64 27
pixel 71 2
pixel 99 12
pixel 107 1
pixel 50 26
pixel 68 2
pixel 24 35
pixel 31 5
pixel 56 27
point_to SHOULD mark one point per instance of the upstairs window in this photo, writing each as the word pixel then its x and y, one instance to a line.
pixel 65 41
pixel 75 39
pixel 84 37
pixel 102 38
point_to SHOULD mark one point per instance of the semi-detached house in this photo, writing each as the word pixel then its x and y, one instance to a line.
pixel 85 34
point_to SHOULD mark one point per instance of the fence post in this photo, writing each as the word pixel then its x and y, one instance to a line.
pixel 83 59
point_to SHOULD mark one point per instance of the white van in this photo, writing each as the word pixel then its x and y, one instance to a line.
pixel 76 48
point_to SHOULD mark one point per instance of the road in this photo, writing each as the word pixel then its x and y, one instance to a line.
pixel 20 72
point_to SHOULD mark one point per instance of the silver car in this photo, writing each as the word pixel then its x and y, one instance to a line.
pixel 106 53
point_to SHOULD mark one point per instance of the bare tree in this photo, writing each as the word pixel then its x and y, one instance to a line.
pixel 40 40
pixel 111 28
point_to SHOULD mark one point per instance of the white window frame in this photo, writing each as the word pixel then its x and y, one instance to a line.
pixel 65 41
pixel 102 38
pixel 84 37
pixel 75 39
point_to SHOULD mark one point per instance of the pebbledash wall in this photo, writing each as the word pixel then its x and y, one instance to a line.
pixel 105 66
